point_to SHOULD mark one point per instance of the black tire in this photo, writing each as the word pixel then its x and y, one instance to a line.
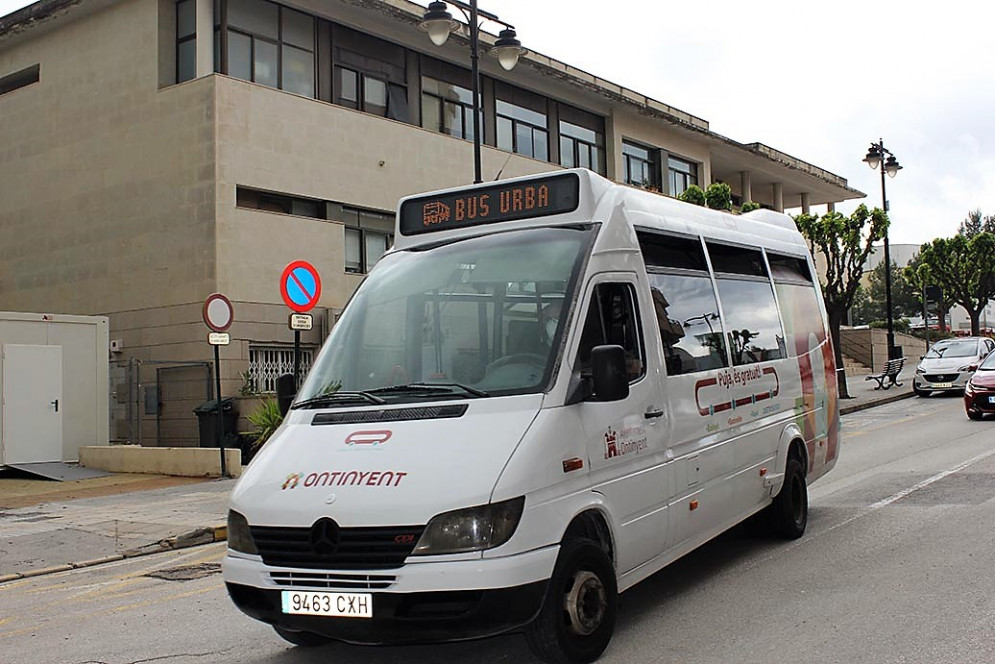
pixel 787 516
pixel 578 613
pixel 302 639
pixel 975 415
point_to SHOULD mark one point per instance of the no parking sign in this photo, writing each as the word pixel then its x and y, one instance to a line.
pixel 300 286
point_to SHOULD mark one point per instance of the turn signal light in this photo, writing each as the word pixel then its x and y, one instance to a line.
pixel 572 464
pixel 693 505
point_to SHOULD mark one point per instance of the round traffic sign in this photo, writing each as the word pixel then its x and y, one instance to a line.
pixel 218 312
pixel 300 286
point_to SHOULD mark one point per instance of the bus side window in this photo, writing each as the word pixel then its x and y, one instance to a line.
pixel 612 318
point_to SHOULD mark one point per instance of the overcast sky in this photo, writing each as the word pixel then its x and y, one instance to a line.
pixel 818 81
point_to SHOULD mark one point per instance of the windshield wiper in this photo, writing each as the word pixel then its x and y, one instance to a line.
pixel 334 397
pixel 430 387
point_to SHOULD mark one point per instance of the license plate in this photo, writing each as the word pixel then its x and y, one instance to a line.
pixel 341 605
pixel 942 385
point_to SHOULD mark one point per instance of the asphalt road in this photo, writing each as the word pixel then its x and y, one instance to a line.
pixel 896 566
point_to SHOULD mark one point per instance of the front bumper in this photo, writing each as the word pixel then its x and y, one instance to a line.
pixel 951 381
pixel 419 602
pixel 428 617
pixel 980 401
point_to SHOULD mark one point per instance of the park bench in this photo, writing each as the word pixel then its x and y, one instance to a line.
pixel 888 376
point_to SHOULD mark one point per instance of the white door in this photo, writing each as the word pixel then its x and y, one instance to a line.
pixel 32 404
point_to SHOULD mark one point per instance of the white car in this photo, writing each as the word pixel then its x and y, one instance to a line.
pixel 949 364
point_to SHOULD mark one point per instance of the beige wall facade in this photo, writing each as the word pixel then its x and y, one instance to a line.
pixel 118 186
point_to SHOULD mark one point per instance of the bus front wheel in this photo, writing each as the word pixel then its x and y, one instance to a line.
pixel 578 613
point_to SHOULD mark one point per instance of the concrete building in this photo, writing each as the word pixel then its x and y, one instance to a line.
pixel 153 152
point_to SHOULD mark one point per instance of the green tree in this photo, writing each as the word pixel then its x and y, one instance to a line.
pixel 904 302
pixel 844 242
pixel 965 269
pixel 919 276
pixel 975 223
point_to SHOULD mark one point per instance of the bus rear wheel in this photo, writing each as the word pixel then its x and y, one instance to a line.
pixel 787 516
pixel 578 613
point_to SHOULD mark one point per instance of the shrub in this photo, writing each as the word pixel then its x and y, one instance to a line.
pixel 749 206
pixel 718 196
pixel 267 418
pixel 693 194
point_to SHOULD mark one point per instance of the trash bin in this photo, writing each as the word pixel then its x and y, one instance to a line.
pixel 207 419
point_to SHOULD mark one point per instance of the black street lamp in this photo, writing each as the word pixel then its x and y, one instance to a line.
pixel 876 159
pixel 439 23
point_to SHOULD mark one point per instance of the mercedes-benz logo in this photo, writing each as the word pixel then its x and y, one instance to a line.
pixel 325 537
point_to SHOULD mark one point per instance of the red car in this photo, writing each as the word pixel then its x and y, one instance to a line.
pixel 979 393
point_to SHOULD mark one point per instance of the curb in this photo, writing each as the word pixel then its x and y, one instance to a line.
pixel 197 537
pixel 846 410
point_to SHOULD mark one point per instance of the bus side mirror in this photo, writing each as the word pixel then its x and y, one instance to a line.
pixel 285 392
pixel 608 374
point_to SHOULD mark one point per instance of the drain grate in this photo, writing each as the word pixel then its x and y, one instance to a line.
pixel 187 572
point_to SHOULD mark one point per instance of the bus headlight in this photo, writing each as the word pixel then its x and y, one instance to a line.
pixel 471 529
pixel 239 538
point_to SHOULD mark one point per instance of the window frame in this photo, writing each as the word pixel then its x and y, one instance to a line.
pixel 652 160
pixel 691 176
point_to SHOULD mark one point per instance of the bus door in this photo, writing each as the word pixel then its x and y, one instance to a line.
pixel 625 439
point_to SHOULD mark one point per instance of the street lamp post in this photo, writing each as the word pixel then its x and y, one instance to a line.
pixel 439 23
pixel 876 160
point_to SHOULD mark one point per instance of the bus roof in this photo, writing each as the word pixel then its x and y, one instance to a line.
pixel 576 196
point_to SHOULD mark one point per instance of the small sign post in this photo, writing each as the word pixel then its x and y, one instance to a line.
pixel 218 315
pixel 300 287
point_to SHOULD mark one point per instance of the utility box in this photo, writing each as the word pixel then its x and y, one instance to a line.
pixel 55 386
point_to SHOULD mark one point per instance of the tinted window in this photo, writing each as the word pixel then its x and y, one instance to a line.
pixel 668 251
pixel 736 260
pixel 788 268
pixel 803 323
pixel 753 326
pixel 688 319
pixel 612 318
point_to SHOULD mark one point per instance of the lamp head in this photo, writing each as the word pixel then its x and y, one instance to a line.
pixel 891 166
pixel 438 23
pixel 507 49
pixel 873 158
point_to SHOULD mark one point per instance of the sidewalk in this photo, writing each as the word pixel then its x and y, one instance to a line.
pixel 48 527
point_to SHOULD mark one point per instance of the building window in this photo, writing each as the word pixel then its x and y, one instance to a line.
pixel 255 199
pixel 267 363
pixel 582 140
pixel 369 74
pixel 641 165
pixel 271 45
pixel 447 108
pixel 368 235
pixel 522 124
pixel 19 79
pixel 186 40
pixel 683 174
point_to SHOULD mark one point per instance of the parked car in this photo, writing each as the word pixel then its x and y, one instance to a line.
pixel 979 393
pixel 949 364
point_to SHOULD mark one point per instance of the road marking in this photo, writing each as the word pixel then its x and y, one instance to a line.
pixel 912 489
pixel 885 425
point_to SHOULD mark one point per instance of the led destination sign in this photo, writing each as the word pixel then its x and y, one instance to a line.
pixel 554 194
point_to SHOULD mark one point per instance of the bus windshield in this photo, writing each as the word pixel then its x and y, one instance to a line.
pixel 478 316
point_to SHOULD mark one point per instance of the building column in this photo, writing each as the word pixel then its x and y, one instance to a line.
pixel 777 194
pixel 805 202
pixel 830 207
pixel 745 188
pixel 205 37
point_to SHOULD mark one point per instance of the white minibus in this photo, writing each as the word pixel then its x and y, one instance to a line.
pixel 550 388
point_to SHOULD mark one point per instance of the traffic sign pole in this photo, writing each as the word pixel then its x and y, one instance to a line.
pixel 221 420
pixel 297 360
pixel 218 315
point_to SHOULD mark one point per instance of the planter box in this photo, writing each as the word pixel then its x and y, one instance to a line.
pixel 183 461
